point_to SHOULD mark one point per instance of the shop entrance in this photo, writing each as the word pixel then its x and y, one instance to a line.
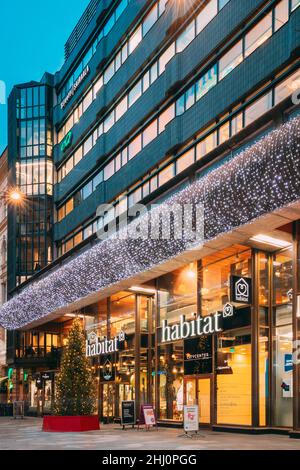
pixel 112 396
pixel 198 391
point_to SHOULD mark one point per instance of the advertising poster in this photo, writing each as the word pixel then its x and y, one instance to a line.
pixel 128 413
pixel 191 418
pixel 147 415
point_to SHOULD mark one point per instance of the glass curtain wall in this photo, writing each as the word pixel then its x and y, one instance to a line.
pixel 177 295
pixel 283 338
pixel 233 365
pixel 126 374
pixel 34 177
pixel 296 355
pixel 264 337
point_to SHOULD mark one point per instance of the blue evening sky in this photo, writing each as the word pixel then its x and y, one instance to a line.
pixel 32 38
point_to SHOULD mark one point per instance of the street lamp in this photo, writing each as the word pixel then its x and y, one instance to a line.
pixel 13 196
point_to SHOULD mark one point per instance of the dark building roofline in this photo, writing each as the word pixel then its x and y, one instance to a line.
pixel 80 27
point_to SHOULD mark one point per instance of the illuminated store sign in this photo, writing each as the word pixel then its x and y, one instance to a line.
pixel 66 142
pixel 241 290
pixel 99 347
pixel 75 85
pixel 191 329
pixel 228 310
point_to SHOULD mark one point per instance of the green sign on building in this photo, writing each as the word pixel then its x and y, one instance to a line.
pixel 67 141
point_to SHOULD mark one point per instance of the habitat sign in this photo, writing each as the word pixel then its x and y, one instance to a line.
pixel 96 346
pixel 190 329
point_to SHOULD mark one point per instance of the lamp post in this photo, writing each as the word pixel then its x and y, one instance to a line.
pixel 12 196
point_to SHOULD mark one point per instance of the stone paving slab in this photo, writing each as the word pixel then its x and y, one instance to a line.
pixel 27 435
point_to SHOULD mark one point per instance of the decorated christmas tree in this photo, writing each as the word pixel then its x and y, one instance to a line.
pixel 75 388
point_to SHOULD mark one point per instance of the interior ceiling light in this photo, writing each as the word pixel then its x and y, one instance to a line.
pixel 267 240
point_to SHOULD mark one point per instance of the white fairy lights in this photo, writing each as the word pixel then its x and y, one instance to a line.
pixel 262 178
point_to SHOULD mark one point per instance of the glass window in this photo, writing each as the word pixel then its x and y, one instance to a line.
pixel 224 133
pixel 109 122
pixel 88 144
pixel 98 179
pixel 234 393
pixel 146 81
pixel 135 197
pixel 206 82
pixel 87 190
pixel 166 117
pixel 206 15
pixel 166 57
pixel 124 52
pixel 237 124
pixel 78 155
pixel 283 337
pixel 88 100
pixel 258 108
pixel 135 39
pixel 287 87
pixel 88 232
pixel 186 160
pixel 150 19
pixel 69 206
pixel 109 170
pixel 109 72
pixel 295 4
pixel 258 35
pixel 150 133
pixel 124 156
pixel 118 61
pixel 166 174
pixel 207 145
pixel 135 147
pixel 162 6
pixel 190 97
pixel 146 189
pixel 98 85
pixel 222 3
pixel 177 294
pixel 109 25
pixel 121 108
pixel 118 162
pixel 153 184
pixel 180 105
pixel 154 72
pixel 69 166
pixel 170 381
pixel 135 93
pixel 231 60
pixel 121 8
pixel 186 37
pixel 78 238
pixel 281 14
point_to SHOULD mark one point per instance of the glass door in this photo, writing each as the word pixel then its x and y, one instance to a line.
pixel 108 402
pixel 204 400
pixel 198 392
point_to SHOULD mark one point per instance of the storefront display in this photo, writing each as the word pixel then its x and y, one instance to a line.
pixel 216 335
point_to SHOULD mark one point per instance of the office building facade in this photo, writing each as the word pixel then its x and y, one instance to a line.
pixel 163 102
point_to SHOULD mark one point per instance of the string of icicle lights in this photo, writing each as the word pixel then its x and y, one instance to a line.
pixel 262 178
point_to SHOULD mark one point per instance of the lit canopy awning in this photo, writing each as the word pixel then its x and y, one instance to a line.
pixel 261 179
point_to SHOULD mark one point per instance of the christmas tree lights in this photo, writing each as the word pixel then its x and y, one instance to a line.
pixel 75 393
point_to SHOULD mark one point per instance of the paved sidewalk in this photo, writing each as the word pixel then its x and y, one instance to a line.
pixel 26 434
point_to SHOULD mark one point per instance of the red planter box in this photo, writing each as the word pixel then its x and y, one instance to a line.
pixel 70 423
